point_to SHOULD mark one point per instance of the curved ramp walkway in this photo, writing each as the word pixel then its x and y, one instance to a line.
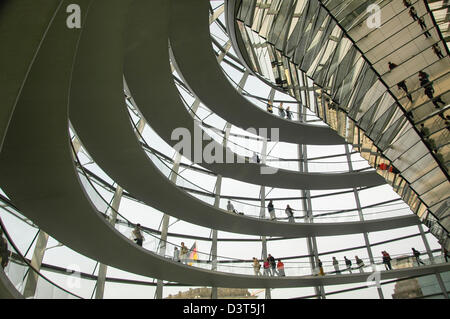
pixel 38 173
pixel 190 40
pixel 113 145
pixel 17 56
pixel 7 289
pixel 147 59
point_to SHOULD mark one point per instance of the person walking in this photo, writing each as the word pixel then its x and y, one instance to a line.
pixel 429 92
pixel 360 263
pixel 437 51
pixel 137 234
pixel 424 79
pixel 281 111
pixel 425 131
pixel 424 76
pixel 319 263
pixel 416 254
pixel 183 253
pixel 280 268
pixel 288 113
pixel 413 13
pixel 402 86
pixel 273 265
pixel 348 263
pixel 176 254
pixel 387 260
pixel 266 266
pixel 256 267
pixel 270 107
pixel 290 214
pixel 423 26
pixel 336 266
pixel 271 210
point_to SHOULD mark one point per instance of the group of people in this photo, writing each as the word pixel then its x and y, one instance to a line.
pixel 359 264
pixel 181 255
pixel 270 266
pixel 423 26
pixel 389 168
pixel 289 212
pixel 425 83
pixel 282 112
pixel 423 77
pixel 348 264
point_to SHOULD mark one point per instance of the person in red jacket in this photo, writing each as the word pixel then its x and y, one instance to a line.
pixel 280 268
pixel 387 260
pixel 266 266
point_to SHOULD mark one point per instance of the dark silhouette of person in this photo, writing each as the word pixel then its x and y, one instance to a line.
pixel 424 130
pixel 289 113
pixel 429 91
pixel 271 210
pixel 392 66
pixel 407 3
pixel 273 265
pixel 387 260
pixel 417 256
pixel 424 27
pixel 348 263
pixel 402 86
pixel 423 76
pixel 413 13
pixel 437 51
